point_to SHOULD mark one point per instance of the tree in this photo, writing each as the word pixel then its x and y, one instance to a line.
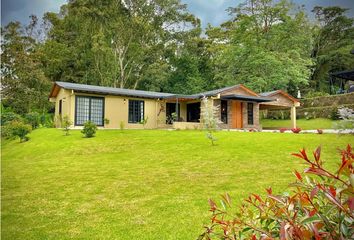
pixel 114 43
pixel 265 46
pixel 24 85
pixel 333 41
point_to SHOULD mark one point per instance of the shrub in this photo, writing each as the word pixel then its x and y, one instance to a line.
pixel 121 125
pixel 320 206
pixel 65 124
pixel 89 129
pixel 319 131
pixel 144 121
pixel 7 117
pixel 347 118
pixel 210 118
pixel 106 121
pixel 282 130
pixel 20 129
pixel 33 119
pixel 296 130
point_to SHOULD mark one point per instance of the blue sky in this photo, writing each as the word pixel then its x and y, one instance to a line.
pixel 209 11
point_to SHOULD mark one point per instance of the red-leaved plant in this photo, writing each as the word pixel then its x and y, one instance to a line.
pixel 296 130
pixel 282 130
pixel 320 206
pixel 319 131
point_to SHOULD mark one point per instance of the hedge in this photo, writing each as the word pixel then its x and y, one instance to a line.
pixel 330 112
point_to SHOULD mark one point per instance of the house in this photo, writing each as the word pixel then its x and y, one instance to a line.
pixel 239 106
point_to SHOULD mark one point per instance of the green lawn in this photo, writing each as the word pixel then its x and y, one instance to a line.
pixel 145 184
pixel 311 124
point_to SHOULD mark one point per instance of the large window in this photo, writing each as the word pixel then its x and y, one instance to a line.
pixel 223 111
pixel 136 111
pixel 89 109
pixel 250 113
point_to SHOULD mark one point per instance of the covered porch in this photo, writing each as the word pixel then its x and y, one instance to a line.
pixel 282 101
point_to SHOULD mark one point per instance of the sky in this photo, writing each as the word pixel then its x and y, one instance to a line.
pixel 209 11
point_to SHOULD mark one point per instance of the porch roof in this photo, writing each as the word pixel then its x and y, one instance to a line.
pixel 246 98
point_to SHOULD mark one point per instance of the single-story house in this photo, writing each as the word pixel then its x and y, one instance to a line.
pixel 110 107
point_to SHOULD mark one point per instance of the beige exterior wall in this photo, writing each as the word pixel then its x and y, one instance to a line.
pixel 67 109
pixel 116 111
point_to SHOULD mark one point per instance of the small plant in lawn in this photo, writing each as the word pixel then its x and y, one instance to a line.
pixel 20 129
pixel 296 130
pixel 319 131
pixel 210 118
pixel 144 121
pixel 321 206
pixel 89 129
pixel 106 121
pixel 121 125
pixel 65 124
pixel 282 130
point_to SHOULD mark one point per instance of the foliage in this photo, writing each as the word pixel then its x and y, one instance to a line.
pixel 24 86
pixel 333 41
pixel 7 117
pixel 144 121
pixel 19 129
pixel 89 129
pixel 33 118
pixel 319 207
pixel 121 125
pixel 263 46
pixel 347 118
pixel 210 118
pixel 106 121
pixel 282 130
pixel 65 124
pixel 296 130
pixel 304 124
pixel 313 94
pixel 319 131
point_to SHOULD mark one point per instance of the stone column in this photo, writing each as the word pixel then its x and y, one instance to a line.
pixel 293 116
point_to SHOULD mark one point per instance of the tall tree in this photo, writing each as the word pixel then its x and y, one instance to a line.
pixel 334 39
pixel 24 86
pixel 113 43
pixel 266 45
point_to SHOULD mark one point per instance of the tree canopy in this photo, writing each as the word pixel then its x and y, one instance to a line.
pixel 159 45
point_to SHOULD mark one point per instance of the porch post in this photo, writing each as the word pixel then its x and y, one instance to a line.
pixel 293 116
pixel 177 112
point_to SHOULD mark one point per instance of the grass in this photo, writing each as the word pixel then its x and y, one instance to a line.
pixel 311 124
pixel 147 184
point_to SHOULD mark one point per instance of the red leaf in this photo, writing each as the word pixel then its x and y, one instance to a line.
pixel 212 205
pixel 332 190
pixel 298 175
pixel 269 190
pixel 317 171
pixel 257 197
pixel 314 192
pixel 282 231
pixel 333 200
pixel 317 154
pixel 313 212
pixel 254 237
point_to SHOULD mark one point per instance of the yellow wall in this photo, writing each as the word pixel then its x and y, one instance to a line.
pixel 116 110
pixel 65 96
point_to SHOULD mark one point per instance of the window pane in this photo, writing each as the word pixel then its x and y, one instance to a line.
pixel 97 111
pixel 250 113
pixel 82 110
pixel 136 111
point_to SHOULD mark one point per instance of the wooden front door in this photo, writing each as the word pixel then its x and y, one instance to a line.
pixel 236 114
